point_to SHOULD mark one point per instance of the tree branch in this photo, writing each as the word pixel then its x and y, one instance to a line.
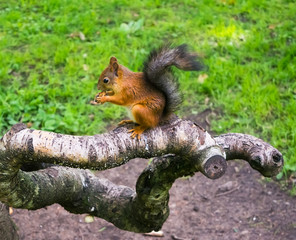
pixel 180 147
pixel 260 155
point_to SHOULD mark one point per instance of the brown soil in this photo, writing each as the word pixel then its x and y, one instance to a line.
pixel 240 205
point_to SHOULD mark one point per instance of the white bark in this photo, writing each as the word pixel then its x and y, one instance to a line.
pixel 179 147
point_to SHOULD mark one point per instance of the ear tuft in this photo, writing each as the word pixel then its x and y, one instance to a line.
pixel 114 65
pixel 112 60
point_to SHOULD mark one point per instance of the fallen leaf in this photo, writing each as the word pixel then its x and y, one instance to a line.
pixel 72 35
pixel 155 234
pixel 85 67
pixel 10 210
pixel 81 36
pixel 77 34
pixel 202 77
pixel 102 229
pixel 91 116
pixel 271 27
pixel 89 219
pixel 227 2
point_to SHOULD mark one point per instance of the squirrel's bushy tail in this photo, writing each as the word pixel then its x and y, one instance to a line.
pixel 157 70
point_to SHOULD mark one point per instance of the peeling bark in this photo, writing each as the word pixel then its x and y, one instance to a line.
pixel 179 148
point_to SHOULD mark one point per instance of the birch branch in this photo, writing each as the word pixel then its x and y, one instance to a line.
pixel 179 147
pixel 260 155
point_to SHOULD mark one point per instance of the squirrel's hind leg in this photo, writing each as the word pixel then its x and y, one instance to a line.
pixel 137 131
pixel 145 117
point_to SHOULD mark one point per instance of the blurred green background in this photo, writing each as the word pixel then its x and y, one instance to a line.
pixel 52 52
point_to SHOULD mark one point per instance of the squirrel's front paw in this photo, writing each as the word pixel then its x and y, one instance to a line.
pixel 99 98
pixel 93 102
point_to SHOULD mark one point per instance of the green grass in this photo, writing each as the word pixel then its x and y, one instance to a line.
pixel 48 71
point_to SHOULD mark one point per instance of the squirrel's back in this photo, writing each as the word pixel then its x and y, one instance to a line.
pixel 157 71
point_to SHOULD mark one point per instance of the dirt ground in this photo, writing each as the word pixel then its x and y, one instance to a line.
pixel 240 205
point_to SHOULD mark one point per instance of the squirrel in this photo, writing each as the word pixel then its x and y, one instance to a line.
pixel 151 95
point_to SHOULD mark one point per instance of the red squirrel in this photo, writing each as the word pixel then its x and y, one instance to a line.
pixel 151 95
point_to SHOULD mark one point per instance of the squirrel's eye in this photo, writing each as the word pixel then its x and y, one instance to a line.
pixel 105 80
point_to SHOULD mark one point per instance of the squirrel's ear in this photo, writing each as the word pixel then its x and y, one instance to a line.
pixel 114 65
pixel 112 60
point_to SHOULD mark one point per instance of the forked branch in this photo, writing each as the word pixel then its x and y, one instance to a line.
pixel 179 148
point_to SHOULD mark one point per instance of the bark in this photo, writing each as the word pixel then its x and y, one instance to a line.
pixel 260 155
pixel 179 148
